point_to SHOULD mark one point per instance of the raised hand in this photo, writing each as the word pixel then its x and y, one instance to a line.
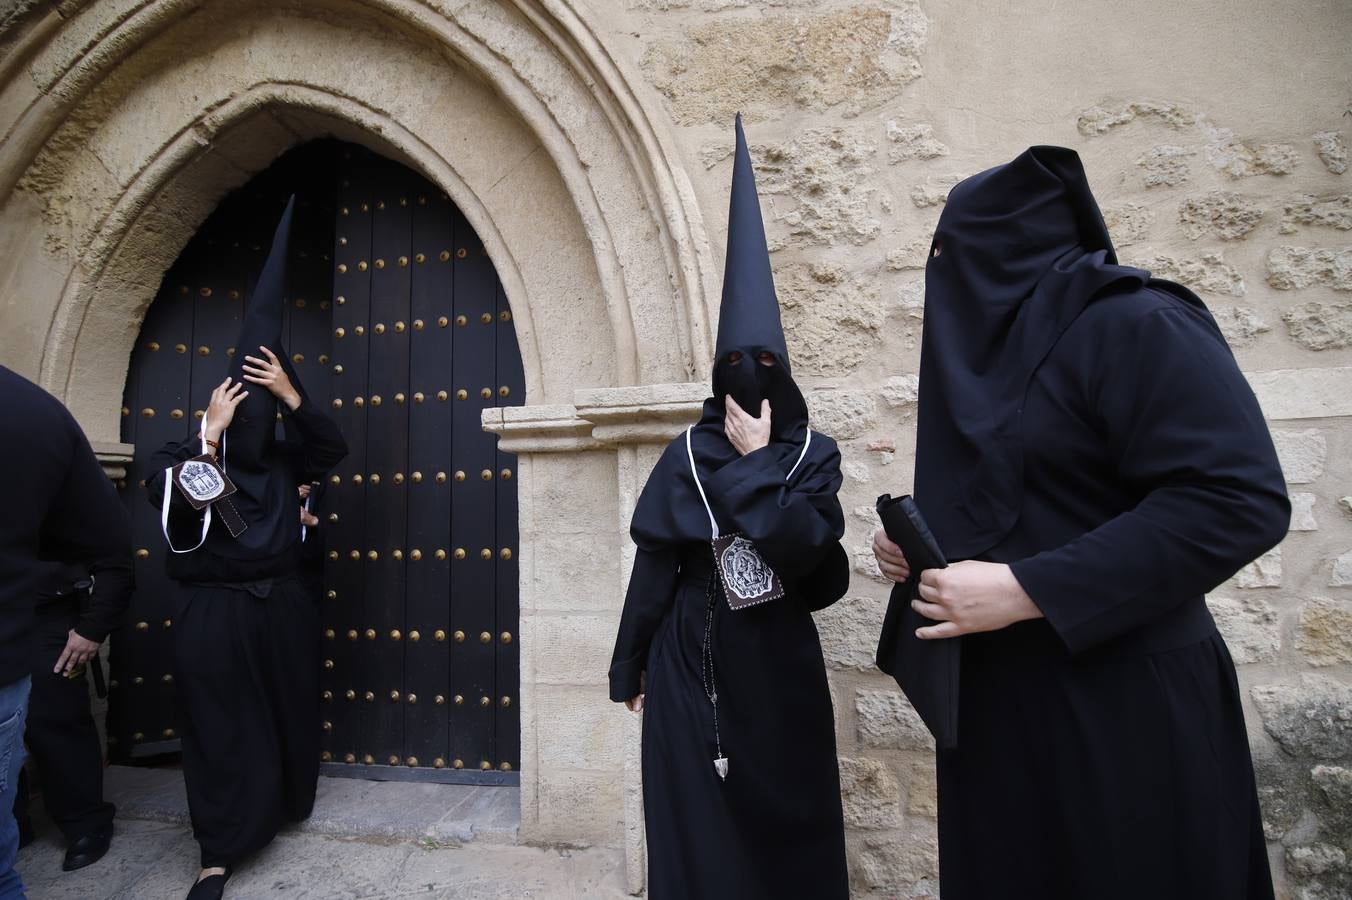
pixel 270 374
pixel 221 409
pixel 746 432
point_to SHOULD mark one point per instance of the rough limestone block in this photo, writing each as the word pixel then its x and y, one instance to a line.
pixel 1333 785
pixel 1240 325
pixel 1342 571
pixel 933 191
pixel 1324 635
pixel 922 790
pixel 1309 718
pixel 901 391
pixel 1302 512
pixel 1250 627
pixel 1263 572
pixel 823 181
pixel 1166 166
pixel 910 256
pixel 832 323
pixel 1240 160
pixel 842 414
pixel 913 142
pixel 1320 326
pixel 898 864
pixel 1128 223
pixel 853 58
pixel 849 631
pixel 1222 214
pixel 870 793
pixel 1332 150
pixel 1103 118
pixel 1206 273
pixel 1327 212
pixel 1291 268
pixel 887 719
pixel 1301 453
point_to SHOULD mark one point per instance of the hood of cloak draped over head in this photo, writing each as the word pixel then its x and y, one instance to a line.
pixel 266 498
pixel 670 509
pixel 1019 252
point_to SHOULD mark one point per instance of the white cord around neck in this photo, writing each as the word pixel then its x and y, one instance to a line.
pixel 168 486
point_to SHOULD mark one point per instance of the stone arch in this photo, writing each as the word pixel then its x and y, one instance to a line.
pixel 135 119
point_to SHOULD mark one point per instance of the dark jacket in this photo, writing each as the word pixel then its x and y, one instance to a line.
pixel 60 508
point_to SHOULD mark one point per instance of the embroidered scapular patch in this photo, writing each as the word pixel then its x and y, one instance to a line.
pixel 747 578
pixel 201 481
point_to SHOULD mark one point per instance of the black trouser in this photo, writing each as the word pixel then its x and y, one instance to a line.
pixel 61 737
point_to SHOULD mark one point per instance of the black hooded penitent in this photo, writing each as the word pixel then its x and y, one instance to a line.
pixel 246 632
pixel 1087 426
pixel 774 827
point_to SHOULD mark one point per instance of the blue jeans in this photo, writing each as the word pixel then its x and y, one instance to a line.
pixel 13 715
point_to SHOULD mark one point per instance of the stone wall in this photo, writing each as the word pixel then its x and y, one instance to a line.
pixel 1216 138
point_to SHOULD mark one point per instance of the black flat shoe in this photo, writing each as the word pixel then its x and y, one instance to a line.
pixel 210 888
pixel 87 849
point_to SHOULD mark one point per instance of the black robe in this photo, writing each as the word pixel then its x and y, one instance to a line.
pixel 1088 425
pixel 246 646
pixel 1102 750
pixel 774 828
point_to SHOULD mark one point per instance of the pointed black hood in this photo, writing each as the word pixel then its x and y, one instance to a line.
pixel 253 430
pixel 267 499
pixel 748 321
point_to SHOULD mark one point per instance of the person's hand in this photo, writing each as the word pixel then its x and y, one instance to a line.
pixel 304 491
pixel 746 432
pixel 221 409
pixel 635 704
pixel 970 597
pixel 78 652
pixel 891 560
pixel 270 374
pixel 307 518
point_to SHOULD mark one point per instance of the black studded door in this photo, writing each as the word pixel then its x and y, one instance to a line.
pixel 397 322
pixel 420 616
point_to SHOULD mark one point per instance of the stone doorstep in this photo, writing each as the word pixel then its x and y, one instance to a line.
pixel 347 807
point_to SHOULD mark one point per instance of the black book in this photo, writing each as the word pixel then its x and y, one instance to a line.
pixel 927 671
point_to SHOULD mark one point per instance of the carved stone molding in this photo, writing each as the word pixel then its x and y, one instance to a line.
pixel 598 419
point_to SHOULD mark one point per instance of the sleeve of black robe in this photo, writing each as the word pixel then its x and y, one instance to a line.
pixel 314 440
pixel 1186 432
pixel 792 527
pixel 652 588
pixel 114 581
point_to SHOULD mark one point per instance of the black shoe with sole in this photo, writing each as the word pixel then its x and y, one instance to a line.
pixel 210 888
pixel 87 849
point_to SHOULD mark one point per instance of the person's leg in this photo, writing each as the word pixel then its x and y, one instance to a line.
pixel 13 711
pixel 231 763
pixel 64 743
